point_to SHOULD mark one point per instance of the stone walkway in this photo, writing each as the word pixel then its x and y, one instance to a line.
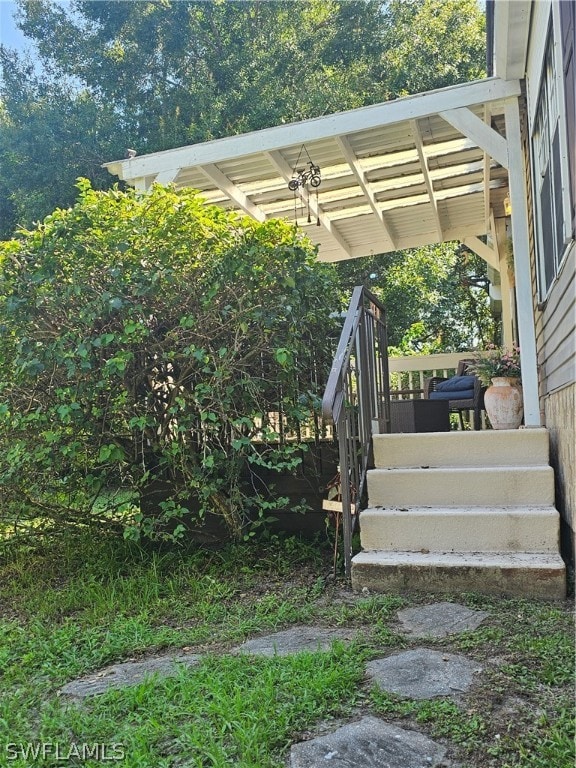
pixel 294 640
pixel 127 673
pixel 370 742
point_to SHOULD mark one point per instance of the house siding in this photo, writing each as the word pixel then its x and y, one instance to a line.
pixel 559 408
pixel 557 321
pixel 555 317
pixel 557 351
pixel 568 37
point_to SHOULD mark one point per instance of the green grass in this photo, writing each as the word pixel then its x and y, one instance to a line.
pixel 231 710
pixel 71 608
pixel 444 716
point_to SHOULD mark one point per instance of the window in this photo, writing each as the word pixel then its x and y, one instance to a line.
pixel 553 149
pixel 568 36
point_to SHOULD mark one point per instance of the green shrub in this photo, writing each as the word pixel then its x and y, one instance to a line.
pixel 150 339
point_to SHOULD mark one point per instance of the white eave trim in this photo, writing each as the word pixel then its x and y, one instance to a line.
pixel 342 123
pixel 511 35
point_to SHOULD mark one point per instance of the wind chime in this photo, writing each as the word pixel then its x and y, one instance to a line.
pixel 302 179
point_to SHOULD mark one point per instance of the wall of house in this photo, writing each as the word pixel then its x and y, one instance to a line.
pixel 556 334
pixel 555 317
pixel 556 329
pixel 557 355
pixel 559 410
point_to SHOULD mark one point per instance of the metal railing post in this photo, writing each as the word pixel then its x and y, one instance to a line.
pixel 356 398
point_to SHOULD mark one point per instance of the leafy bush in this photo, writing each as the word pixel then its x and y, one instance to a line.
pixel 152 339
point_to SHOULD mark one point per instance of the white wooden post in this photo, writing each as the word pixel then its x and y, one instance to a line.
pixel 505 287
pixel 520 237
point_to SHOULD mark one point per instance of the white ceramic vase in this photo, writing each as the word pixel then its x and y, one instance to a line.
pixel 504 403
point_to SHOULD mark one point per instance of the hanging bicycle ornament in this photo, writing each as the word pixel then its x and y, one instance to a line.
pixel 310 175
pixel 301 179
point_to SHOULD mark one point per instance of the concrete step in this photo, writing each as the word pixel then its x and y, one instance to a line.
pixel 498 573
pixel 485 448
pixel 531 486
pixel 460 529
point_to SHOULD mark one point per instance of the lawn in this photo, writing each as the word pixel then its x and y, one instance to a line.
pixel 73 606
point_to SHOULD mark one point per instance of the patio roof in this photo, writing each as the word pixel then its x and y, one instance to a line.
pixel 405 173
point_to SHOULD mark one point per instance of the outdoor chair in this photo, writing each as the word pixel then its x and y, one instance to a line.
pixel 463 391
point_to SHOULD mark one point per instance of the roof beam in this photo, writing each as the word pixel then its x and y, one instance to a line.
pixel 351 158
pixel 292 134
pixel 234 193
pixel 487 160
pixel 279 162
pixel 427 178
pixel 476 129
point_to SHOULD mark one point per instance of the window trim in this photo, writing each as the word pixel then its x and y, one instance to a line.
pixel 552 89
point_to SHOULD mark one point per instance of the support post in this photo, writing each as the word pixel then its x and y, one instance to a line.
pixel 506 288
pixel 520 237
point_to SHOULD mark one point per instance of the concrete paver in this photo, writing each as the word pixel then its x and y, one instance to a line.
pixel 368 743
pixel 127 673
pixel 440 619
pixel 294 640
pixel 423 673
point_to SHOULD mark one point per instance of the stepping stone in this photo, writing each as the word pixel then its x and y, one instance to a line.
pixel 368 743
pixel 440 619
pixel 126 674
pixel 294 640
pixel 423 674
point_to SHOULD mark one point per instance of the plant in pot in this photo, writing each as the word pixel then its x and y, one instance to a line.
pixel 499 370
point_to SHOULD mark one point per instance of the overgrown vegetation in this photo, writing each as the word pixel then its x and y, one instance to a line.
pixel 153 350
pixel 72 608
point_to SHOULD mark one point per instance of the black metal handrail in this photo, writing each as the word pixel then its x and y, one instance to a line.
pixel 357 401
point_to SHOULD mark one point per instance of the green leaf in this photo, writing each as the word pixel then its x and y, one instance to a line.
pixel 283 356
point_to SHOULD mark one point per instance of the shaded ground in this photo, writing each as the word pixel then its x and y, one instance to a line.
pixel 426 671
pixel 208 617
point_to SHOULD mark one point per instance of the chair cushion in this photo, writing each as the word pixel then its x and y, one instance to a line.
pixel 455 384
pixel 463 394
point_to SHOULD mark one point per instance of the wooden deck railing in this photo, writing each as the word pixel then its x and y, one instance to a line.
pixel 406 382
pixel 407 374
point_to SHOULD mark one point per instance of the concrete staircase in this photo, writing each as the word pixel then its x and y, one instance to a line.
pixel 461 511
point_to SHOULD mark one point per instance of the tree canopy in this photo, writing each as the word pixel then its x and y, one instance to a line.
pixel 155 75
pixel 436 297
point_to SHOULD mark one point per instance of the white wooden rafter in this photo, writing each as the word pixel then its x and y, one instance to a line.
pixel 483 250
pixel 234 192
pixel 427 178
pixel 343 143
pixel 167 176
